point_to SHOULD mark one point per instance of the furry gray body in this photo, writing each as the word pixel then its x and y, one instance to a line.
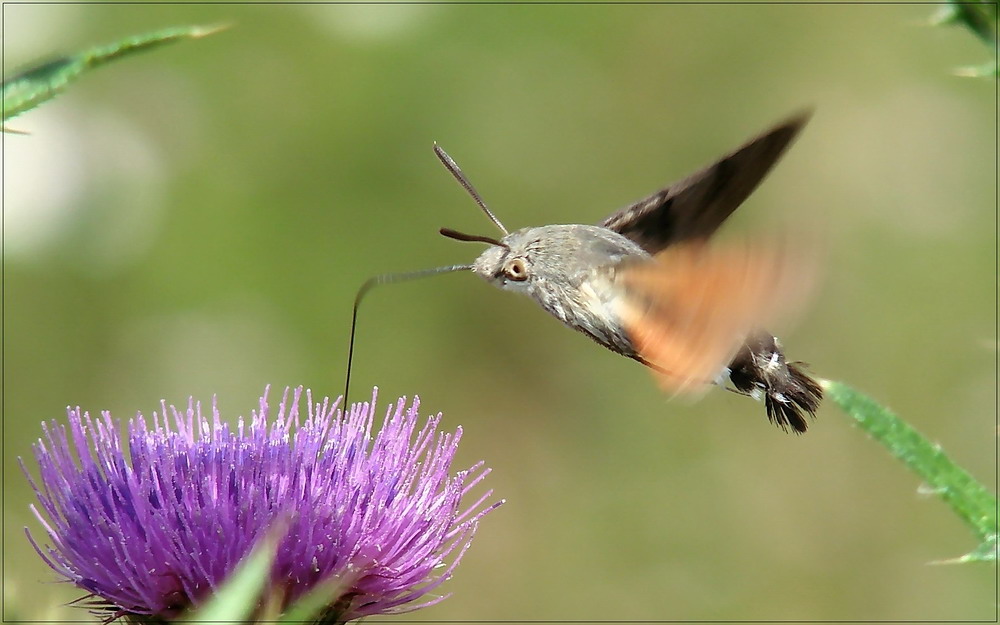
pixel 570 268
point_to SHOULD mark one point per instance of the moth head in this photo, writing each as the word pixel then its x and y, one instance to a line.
pixel 504 264
pixel 500 264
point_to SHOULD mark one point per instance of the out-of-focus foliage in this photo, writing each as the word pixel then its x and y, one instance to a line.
pixel 198 222
pixel 981 19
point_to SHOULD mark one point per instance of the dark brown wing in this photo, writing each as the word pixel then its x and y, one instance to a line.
pixel 694 207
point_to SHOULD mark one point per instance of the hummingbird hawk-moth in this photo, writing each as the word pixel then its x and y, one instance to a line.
pixel 646 283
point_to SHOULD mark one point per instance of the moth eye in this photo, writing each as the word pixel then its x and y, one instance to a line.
pixel 516 270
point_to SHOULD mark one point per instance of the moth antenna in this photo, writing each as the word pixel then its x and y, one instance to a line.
pixel 461 236
pixel 450 164
pixel 369 284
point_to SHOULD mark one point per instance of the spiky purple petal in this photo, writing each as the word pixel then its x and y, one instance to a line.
pixel 155 528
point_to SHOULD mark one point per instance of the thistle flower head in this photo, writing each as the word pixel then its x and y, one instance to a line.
pixel 152 523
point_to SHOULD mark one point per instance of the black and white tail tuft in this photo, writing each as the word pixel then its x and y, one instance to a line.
pixel 789 393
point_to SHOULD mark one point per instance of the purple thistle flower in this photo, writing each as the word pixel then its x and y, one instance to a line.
pixel 154 529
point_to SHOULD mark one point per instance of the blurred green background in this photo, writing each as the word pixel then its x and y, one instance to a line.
pixel 196 220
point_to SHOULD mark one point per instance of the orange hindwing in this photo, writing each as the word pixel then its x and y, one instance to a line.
pixel 689 310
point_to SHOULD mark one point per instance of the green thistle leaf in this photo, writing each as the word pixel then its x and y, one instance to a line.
pixel 29 88
pixel 969 499
pixel 986 552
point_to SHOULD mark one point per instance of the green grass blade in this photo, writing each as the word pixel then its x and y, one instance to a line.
pixel 29 88
pixel 970 500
